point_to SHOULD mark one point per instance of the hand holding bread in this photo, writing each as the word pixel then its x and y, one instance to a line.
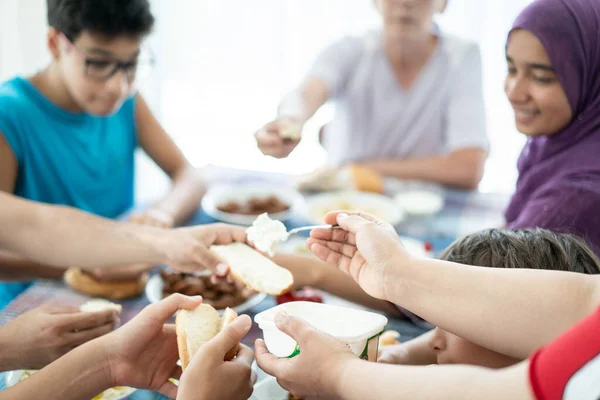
pixel 215 364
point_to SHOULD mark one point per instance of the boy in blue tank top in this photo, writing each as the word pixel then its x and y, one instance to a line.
pixel 68 134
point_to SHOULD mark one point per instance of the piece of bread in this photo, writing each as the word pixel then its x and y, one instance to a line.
pixel 290 130
pixel 100 305
pixel 389 338
pixel 255 270
pixel 116 290
pixel 365 179
pixel 198 326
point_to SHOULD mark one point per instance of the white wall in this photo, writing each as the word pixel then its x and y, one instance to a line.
pixel 224 64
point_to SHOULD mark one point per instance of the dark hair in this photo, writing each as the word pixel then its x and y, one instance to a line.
pixel 524 248
pixel 108 18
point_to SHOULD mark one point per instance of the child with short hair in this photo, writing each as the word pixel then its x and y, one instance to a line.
pixel 494 248
pixel 69 133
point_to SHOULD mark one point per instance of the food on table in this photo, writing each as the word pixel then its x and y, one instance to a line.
pixel 389 338
pixel 341 204
pixel 114 289
pixel 289 130
pixel 359 329
pixel 255 270
pixel 306 294
pixel 351 177
pixel 265 233
pixel 198 326
pixel 255 206
pixel 220 295
pixel 117 392
pixel 100 305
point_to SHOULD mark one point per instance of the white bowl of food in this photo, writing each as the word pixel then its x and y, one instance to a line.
pixel 241 204
pixel 380 206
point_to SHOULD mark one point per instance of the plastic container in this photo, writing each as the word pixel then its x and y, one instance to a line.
pixel 360 330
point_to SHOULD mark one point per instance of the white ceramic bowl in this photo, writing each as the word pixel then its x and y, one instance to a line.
pixel 381 206
pixel 221 194
pixel 154 293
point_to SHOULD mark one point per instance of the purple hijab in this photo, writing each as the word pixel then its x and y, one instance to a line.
pixel 559 175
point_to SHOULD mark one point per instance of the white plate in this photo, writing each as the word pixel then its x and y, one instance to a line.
pixel 383 207
pixel 420 202
pixel 12 378
pixel 269 389
pixel 221 194
pixel 154 293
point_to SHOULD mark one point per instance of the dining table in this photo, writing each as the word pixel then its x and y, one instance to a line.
pixel 463 212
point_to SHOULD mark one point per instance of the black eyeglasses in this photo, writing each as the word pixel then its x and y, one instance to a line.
pixel 103 70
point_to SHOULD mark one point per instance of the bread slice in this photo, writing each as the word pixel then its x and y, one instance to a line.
pixel 198 326
pixel 365 179
pixel 100 305
pixel 255 270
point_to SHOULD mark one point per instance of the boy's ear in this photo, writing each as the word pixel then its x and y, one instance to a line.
pixel 53 39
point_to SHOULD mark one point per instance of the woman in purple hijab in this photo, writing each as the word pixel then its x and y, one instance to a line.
pixel 553 84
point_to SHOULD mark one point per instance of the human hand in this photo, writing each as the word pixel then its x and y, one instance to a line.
pixel 316 371
pixel 365 247
pixel 209 376
pixel 40 336
pixel 279 138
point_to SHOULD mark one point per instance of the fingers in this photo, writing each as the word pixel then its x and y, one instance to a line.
pixel 332 217
pixel 271 143
pixel 265 360
pixel 244 356
pixel 353 223
pixel 226 234
pixel 334 235
pixel 164 309
pixel 81 337
pixel 294 327
pixel 207 259
pixel 54 309
pixel 176 373
pixel 345 249
pixel 168 389
pixel 331 257
pixel 88 320
pixel 231 336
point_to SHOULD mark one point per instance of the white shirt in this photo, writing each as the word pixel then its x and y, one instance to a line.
pixel 376 118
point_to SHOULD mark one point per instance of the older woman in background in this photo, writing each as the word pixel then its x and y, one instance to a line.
pixel 409 101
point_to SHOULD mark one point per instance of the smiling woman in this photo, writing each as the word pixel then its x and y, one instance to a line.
pixel 553 53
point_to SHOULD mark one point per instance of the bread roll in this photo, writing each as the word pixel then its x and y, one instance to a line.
pixel 116 290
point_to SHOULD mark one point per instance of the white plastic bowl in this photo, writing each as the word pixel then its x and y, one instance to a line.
pixel 220 194
pixel 359 329
pixel 380 206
